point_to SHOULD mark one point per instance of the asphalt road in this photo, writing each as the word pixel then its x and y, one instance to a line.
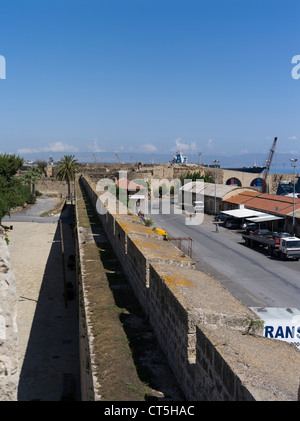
pixel 32 213
pixel 250 275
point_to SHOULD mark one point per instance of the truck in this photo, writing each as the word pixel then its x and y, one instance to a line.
pixel 283 247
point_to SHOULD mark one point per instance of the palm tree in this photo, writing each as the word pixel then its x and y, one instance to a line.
pixel 66 169
pixel 31 178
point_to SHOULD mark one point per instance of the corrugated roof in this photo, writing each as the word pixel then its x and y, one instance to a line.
pixel 272 204
pixel 209 189
pixel 267 202
pixel 242 197
pixel 264 202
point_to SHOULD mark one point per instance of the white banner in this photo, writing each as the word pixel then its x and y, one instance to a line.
pixel 284 330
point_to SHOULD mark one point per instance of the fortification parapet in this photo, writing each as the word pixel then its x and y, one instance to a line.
pixel 202 328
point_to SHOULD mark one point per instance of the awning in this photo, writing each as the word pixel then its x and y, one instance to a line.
pixel 243 213
pixel 265 218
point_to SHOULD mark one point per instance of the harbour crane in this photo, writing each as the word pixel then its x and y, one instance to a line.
pixel 268 165
pixel 118 158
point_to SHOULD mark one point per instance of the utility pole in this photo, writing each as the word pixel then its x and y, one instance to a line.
pixel 294 163
pixel 215 161
pixel 199 153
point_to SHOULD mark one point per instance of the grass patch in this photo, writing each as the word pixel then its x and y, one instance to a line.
pixel 123 355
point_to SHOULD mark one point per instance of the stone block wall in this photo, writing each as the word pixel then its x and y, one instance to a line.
pixel 174 327
pixel 199 324
pixel 52 187
pixel 9 372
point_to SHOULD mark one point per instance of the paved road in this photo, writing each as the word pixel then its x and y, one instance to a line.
pixel 250 275
pixel 33 212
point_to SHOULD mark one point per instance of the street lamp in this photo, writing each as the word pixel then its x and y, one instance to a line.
pixel 294 163
pixel 215 161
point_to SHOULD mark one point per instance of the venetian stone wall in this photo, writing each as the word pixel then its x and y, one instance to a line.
pixel 200 326
pixel 9 374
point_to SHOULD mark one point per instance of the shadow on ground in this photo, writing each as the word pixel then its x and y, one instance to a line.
pixel 149 362
pixel 50 370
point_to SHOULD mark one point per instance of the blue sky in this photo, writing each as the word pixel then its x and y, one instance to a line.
pixel 149 75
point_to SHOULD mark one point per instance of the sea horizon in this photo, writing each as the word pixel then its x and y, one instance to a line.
pixel 280 164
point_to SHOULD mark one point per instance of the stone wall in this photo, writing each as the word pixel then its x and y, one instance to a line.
pixel 52 187
pixel 175 171
pixel 201 327
pixel 9 373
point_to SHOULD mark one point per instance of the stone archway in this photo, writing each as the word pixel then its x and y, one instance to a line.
pixel 233 181
pixel 258 184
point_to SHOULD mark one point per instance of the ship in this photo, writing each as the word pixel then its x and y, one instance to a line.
pixel 286 188
pixel 254 169
pixel 179 158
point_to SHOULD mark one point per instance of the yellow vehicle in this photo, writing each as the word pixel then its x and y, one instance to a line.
pixel 162 232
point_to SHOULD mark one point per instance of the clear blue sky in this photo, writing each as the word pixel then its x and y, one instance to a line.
pixel 152 75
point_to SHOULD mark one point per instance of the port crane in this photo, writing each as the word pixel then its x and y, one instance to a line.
pixel 269 162
pixel 118 158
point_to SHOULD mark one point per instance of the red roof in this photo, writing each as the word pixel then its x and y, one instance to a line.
pixel 123 183
pixel 267 202
pixel 242 197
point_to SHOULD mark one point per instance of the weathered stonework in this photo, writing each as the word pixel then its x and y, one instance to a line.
pixel 9 373
pixel 199 324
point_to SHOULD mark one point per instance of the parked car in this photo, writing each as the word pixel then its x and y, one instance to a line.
pixel 250 226
pixel 281 234
pixel 222 218
pixel 262 232
pixel 233 224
